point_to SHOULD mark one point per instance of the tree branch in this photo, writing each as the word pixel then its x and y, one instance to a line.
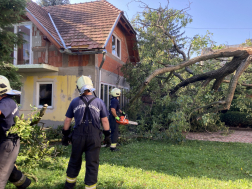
pixel 242 84
pixel 228 52
pixel 41 114
pixel 232 86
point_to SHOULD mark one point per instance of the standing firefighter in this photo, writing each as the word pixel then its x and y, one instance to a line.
pixel 114 111
pixel 9 145
pixel 88 111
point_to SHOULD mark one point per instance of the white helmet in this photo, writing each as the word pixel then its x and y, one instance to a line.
pixel 115 92
pixel 5 87
pixel 85 83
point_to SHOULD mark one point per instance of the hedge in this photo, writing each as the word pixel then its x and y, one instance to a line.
pixel 235 118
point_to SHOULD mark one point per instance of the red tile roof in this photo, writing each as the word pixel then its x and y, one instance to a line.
pixel 42 16
pixel 85 24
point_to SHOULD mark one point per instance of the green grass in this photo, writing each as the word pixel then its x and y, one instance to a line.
pixel 155 164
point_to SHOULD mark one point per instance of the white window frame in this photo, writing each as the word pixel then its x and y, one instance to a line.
pixel 117 38
pixel 124 101
pixel 37 93
pixel 108 99
pixel 16 48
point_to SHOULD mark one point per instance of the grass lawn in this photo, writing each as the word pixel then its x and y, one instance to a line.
pixel 155 164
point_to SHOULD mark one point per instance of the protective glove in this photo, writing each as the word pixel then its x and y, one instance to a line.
pixel 123 113
pixel 107 140
pixel 65 138
pixel 117 118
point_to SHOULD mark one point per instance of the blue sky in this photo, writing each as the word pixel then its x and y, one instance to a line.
pixel 228 20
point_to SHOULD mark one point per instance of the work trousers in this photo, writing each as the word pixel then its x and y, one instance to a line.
pixel 114 128
pixel 87 139
pixel 9 148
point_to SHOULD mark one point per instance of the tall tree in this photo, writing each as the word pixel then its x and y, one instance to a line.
pixel 12 12
pixel 45 3
pixel 178 88
pixel 165 21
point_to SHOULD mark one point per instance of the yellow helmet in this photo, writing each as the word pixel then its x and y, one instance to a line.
pixel 85 83
pixel 5 87
pixel 115 92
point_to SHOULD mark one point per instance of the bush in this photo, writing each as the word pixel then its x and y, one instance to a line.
pixel 235 118
pixel 52 133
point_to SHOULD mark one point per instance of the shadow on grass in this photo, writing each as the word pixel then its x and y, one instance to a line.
pixel 216 160
pixel 107 185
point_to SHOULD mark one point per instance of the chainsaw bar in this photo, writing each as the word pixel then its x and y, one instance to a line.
pixel 133 123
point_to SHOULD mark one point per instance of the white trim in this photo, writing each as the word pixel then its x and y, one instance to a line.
pixel 15 48
pixel 117 38
pixel 37 93
pixel 112 30
pixel 62 41
pixel 15 54
pixel 43 26
pixel 113 86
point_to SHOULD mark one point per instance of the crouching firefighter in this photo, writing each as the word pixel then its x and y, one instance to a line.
pixel 9 145
pixel 114 111
pixel 88 111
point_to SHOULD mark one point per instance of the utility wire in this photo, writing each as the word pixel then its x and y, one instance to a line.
pixel 219 28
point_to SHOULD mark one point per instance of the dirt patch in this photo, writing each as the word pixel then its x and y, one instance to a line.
pixel 244 136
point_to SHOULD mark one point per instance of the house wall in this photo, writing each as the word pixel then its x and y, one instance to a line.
pixel 111 69
pixel 71 67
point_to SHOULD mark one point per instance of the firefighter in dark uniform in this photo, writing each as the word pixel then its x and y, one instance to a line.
pixel 88 111
pixel 114 111
pixel 9 145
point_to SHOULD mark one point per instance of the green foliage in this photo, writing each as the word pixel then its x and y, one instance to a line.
pixel 248 43
pixel 12 12
pixel 52 133
pixel 235 118
pixel 10 72
pixel 35 144
pixel 45 3
pixel 161 113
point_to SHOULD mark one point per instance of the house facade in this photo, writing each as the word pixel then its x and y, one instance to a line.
pixel 67 41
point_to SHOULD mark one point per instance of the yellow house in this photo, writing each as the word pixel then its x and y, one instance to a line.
pixel 65 42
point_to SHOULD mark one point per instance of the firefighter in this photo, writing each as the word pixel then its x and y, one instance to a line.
pixel 9 145
pixel 87 111
pixel 114 111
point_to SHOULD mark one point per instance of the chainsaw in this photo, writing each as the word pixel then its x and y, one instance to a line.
pixel 124 121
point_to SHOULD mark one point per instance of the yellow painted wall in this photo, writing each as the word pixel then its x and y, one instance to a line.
pixel 64 91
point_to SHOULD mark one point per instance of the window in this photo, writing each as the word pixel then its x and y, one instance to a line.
pixel 44 94
pixel 105 95
pixel 116 46
pixel 23 54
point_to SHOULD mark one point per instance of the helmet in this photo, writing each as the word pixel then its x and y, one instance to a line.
pixel 5 87
pixel 115 92
pixel 85 83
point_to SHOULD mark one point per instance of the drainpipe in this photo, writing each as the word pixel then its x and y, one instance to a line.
pixel 99 71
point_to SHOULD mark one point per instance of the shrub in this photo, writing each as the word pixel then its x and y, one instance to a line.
pixel 235 118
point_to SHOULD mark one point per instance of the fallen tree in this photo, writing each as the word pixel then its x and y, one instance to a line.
pixel 242 57
pixel 172 92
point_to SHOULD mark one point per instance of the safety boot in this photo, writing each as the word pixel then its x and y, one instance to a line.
pixel 70 185
pixel 19 179
pixel 114 149
pixel 25 184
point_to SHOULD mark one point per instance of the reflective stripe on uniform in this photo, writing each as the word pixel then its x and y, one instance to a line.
pixel 20 181
pixel 71 180
pixel 90 186
pixel 113 145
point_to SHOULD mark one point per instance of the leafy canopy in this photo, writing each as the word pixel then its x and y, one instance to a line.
pixel 12 12
pixel 45 3
pixel 161 43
